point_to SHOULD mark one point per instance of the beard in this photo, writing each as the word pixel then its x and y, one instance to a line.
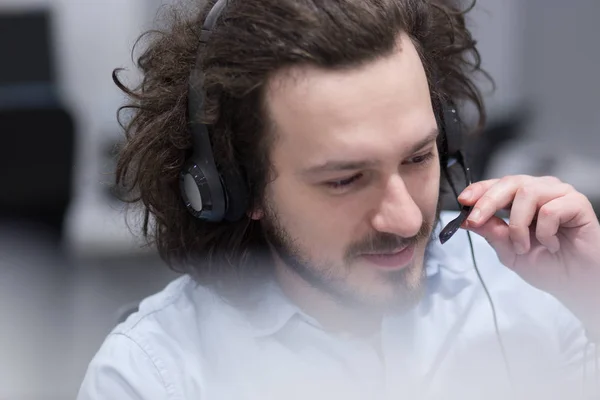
pixel 408 284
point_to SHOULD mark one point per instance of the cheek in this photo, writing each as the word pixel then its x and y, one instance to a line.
pixel 315 225
pixel 425 188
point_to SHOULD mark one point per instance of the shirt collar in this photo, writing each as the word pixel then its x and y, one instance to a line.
pixel 273 311
pixel 446 270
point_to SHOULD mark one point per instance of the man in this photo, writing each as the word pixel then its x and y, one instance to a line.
pixel 329 280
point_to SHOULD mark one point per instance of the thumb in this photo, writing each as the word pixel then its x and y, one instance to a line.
pixel 496 232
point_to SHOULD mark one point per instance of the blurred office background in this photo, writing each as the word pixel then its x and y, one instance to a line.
pixel 69 266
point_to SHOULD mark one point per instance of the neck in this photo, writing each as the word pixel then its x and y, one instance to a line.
pixel 331 315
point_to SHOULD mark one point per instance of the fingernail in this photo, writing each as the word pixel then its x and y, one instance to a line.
pixel 466 195
pixel 475 215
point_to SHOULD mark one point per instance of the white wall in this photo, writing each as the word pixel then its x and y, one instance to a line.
pixel 94 37
pixel 497 26
pixel 562 69
pixel 561 64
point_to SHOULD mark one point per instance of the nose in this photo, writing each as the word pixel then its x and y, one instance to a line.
pixel 397 213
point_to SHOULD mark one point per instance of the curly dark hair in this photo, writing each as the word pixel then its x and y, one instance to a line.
pixel 252 40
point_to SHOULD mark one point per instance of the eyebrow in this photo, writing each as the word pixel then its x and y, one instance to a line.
pixel 341 165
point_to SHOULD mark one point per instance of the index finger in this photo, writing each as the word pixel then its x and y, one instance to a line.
pixel 473 192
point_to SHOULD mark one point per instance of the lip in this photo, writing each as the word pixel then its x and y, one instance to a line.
pixel 396 260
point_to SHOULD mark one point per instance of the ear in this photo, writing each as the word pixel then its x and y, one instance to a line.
pixel 256 214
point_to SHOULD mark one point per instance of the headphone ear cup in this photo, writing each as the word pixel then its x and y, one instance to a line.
pixel 450 140
pixel 453 130
pixel 202 192
pixel 237 196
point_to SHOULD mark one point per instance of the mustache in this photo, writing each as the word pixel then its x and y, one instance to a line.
pixel 384 242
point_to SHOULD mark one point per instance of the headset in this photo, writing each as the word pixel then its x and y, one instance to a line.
pixel 215 196
pixel 208 194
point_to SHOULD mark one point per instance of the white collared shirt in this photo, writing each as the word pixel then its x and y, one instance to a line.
pixel 187 342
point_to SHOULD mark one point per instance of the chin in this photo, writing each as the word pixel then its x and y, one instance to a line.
pixel 397 290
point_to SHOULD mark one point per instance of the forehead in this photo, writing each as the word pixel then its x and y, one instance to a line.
pixel 373 110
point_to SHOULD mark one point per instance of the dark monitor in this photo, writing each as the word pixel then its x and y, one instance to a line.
pixel 25 48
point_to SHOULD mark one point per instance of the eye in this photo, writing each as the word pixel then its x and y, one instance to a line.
pixel 343 183
pixel 422 159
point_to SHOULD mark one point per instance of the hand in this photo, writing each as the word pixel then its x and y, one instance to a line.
pixel 552 239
